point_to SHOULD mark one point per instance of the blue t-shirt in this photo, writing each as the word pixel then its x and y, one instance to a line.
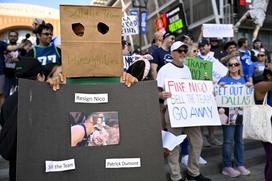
pixel 3 47
pixel 245 58
pixel 230 80
pixel 161 57
pixel 256 70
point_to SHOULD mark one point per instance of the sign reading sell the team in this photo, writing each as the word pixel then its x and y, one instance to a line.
pixel 199 68
pixel 234 95
pixel 192 103
pixel 129 25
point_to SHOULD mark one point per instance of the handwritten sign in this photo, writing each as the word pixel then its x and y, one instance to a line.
pixel 130 25
pixel 192 103
pixel 219 71
pixel 96 50
pixel 217 30
pixel 199 68
pixel 127 61
pixel 234 95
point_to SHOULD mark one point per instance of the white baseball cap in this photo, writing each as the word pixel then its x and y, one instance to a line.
pixel 176 45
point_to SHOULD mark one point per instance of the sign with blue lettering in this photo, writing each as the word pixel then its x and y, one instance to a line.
pixel 234 95
pixel 192 103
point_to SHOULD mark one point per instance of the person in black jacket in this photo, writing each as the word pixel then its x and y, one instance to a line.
pixel 27 68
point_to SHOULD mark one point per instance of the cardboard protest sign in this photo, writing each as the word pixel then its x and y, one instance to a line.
pixel 192 103
pixel 217 30
pixel 45 116
pixel 90 38
pixel 219 71
pixel 199 68
pixel 130 25
pixel 234 95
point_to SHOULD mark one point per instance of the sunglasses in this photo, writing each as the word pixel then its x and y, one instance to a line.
pixel 234 64
pixel 261 55
pixel 47 34
pixel 182 50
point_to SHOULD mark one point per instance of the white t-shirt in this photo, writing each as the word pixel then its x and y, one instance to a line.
pixel 171 71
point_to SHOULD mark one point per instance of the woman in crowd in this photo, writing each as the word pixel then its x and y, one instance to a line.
pixel 261 89
pixel 233 133
pixel 256 69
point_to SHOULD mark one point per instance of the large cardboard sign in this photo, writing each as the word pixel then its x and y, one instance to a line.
pixel 192 103
pixel 217 30
pixel 91 44
pixel 199 68
pixel 44 133
pixel 234 95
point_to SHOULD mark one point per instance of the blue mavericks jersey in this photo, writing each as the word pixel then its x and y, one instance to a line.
pixel 46 55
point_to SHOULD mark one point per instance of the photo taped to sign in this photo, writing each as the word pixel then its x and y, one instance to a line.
pixel 94 129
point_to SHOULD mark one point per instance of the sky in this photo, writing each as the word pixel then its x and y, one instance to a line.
pixel 49 3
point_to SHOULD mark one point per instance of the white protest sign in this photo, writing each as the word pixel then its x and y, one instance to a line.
pixel 59 166
pixel 219 71
pixel 130 25
pixel 127 61
pixel 192 103
pixel 123 163
pixel 217 30
pixel 91 98
pixel 170 141
pixel 234 95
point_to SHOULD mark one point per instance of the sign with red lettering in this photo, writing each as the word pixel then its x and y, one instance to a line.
pixel 192 103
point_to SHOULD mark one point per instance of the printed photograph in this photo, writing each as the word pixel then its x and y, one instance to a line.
pixel 94 129
pixel 236 115
pixel 231 116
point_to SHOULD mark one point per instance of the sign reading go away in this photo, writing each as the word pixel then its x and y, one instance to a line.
pixel 192 103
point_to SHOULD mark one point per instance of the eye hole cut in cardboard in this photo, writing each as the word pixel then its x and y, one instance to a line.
pixel 78 29
pixel 102 28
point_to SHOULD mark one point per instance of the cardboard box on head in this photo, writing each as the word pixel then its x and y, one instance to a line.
pixel 91 41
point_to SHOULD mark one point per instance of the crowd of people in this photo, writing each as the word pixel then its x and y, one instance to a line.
pixel 246 65
pixel 41 60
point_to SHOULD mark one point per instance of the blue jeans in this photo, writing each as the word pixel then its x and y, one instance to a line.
pixel 233 133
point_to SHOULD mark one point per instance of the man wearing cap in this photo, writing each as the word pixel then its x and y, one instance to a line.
pixel 162 56
pixel 177 70
pixel 206 54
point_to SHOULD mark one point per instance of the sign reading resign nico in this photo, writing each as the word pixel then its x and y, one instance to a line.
pixel 234 95
pixel 192 103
